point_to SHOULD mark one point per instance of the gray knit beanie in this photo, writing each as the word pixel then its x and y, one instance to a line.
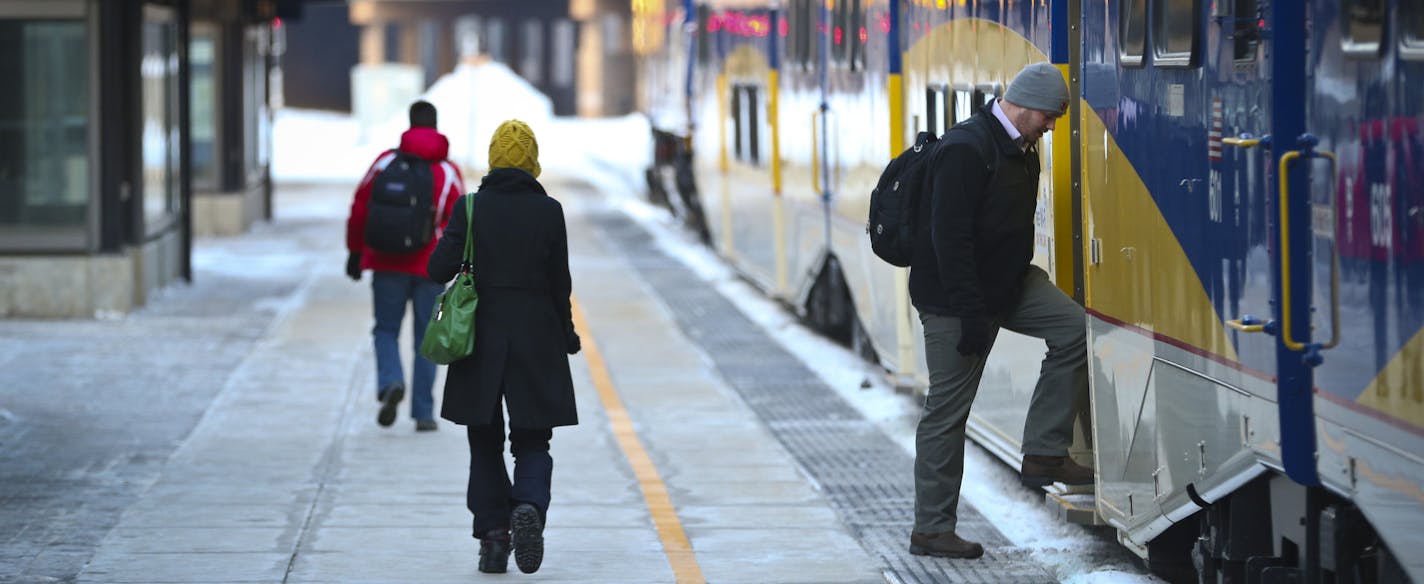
pixel 1039 86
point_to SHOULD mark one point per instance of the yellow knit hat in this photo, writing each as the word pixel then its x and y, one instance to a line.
pixel 514 146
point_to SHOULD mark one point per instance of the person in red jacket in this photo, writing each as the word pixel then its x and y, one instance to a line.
pixel 398 279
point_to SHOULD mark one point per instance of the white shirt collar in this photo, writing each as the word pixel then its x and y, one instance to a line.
pixel 1008 126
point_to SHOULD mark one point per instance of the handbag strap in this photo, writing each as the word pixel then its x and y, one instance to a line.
pixel 468 259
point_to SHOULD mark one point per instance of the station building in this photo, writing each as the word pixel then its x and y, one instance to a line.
pixel 130 126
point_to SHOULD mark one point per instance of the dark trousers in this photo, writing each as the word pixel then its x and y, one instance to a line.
pixel 491 496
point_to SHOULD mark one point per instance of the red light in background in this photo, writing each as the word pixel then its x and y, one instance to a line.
pixel 863 36
pixel 276 23
pixel 837 35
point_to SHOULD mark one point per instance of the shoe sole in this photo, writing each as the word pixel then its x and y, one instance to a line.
pixel 528 535
pixel 387 416
pixel 916 550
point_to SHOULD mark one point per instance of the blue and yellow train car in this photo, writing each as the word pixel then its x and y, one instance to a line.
pixel 1236 197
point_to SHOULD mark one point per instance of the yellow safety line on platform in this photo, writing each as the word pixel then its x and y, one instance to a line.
pixel 674 540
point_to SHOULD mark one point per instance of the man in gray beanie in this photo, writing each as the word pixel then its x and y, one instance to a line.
pixel 970 275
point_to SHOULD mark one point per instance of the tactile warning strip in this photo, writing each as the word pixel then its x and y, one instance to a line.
pixel 866 477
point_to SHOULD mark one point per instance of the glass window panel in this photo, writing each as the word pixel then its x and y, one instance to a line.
pixel 202 55
pixel 159 73
pixel 564 50
pixel 532 60
pixel 1364 26
pixel 44 125
pixel 1174 33
pixel 1412 17
pixel 1132 27
pixel 1246 31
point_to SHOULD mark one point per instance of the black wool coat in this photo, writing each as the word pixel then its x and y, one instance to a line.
pixel 521 268
pixel 976 242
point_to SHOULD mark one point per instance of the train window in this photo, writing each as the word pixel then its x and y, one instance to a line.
pixel 1411 25
pixel 746 123
pixel 1176 26
pixel 1132 30
pixel 801 18
pixel 846 49
pixel 1363 23
pixel 963 105
pixel 1245 32
pixel 938 105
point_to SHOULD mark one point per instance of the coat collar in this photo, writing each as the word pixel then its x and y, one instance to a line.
pixel 511 180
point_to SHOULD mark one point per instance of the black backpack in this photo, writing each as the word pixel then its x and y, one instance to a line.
pixel 400 217
pixel 894 201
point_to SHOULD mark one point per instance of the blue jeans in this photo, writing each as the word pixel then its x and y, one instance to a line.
pixel 389 293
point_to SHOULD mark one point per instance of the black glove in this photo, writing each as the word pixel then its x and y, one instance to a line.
pixel 973 335
pixel 571 339
pixel 353 266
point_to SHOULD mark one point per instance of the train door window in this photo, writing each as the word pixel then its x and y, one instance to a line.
pixel 1363 22
pixel 746 123
pixel 1411 24
pixel 985 93
pixel 938 107
pixel 1132 32
pixel 963 105
pixel 1246 30
pixel 1176 26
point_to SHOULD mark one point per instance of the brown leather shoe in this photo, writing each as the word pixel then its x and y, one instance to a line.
pixel 944 545
pixel 1040 471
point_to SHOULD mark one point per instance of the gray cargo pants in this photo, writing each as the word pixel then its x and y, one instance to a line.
pixel 1044 312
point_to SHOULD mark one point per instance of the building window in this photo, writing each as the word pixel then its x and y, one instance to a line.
pixel 202 55
pixel 532 60
pixel 494 40
pixel 563 52
pixel 1176 27
pixel 1132 30
pixel 1363 22
pixel 44 127
pixel 257 129
pixel 159 75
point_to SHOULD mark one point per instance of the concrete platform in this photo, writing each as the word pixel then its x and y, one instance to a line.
pixel 287 478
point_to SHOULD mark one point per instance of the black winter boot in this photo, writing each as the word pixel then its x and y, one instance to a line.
pixel 494 552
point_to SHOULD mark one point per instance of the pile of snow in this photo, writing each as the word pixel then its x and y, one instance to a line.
pixel 472 101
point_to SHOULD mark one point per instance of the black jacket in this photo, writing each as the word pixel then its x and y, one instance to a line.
pixel 976 236
pixel 521 268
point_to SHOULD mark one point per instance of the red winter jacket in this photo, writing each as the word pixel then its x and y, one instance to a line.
pixel 430 145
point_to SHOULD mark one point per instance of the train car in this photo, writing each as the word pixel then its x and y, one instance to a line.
pixel 1236 197
pixel 1251 201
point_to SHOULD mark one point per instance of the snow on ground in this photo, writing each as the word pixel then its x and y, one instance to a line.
pixel 610 154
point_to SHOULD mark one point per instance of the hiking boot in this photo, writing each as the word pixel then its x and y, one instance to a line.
pixel 425 426
pixel 494 552
pixel 390 398
pixel 1040 471
pixel 527 530
pixel 944 545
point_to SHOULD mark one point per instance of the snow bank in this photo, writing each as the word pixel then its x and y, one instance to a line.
pixel 472 101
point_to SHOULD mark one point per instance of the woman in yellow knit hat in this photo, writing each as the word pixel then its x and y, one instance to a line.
pixel 524 334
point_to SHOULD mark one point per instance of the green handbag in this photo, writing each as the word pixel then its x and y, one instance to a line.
pixel 450 335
